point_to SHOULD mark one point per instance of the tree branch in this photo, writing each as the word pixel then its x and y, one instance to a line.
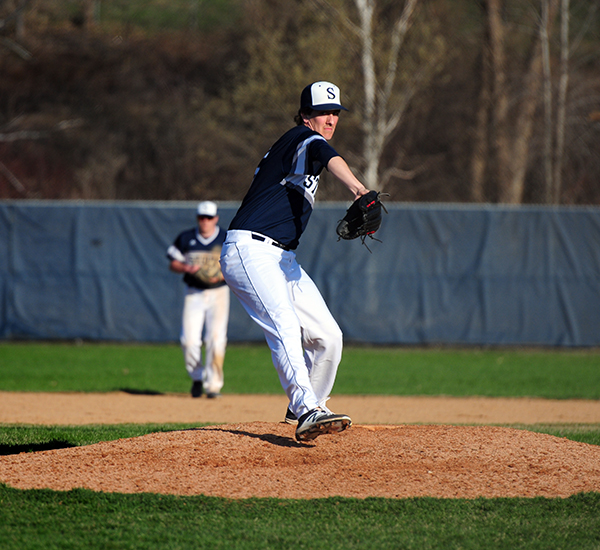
pixel 398 36
pixel 16 48
pixel 14 14
pixel 14 181
pixel 40 134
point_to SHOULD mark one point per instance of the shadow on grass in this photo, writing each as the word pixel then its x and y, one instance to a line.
pixel 133 391
pixel 6 450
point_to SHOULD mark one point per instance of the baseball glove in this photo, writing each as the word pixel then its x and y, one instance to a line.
pixel 363 218
pixel 210 271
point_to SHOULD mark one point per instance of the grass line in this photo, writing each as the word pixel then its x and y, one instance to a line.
pixel 556 374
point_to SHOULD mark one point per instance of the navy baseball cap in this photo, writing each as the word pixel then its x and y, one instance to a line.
pixel 321 96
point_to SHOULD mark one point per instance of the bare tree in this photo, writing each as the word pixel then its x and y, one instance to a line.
pixel 512 190
pixel 386 99
pixel 380 121
pixel 500 100
pixel 481 144
pixel 91 9
pixel 561 115
pixel 14 16
pixel 555 108
pixel 511 122
pixel 548 119
pixel 13 180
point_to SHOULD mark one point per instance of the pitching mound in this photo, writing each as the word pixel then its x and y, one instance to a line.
pixel 262 459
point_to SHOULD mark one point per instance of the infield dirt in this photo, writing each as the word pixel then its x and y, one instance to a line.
pixel 398 447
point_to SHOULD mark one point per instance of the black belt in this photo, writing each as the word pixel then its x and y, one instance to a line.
pixel 263 239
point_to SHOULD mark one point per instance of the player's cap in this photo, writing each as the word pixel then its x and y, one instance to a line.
pixel 321 96
pixel 207 208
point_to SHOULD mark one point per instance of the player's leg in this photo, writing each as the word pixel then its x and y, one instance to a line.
pixel 321 335
pixel 191 334
pixel 215 338
pixel 255 273
pixel 322 341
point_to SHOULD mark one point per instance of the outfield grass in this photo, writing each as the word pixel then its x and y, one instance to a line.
pixel 554 374
pixel 84 519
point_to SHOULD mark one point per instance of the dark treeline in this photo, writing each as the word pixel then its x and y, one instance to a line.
pixel 95 104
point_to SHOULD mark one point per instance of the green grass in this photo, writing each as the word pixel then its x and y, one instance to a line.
pixel 84 519
pixel 129 367
pixel 558 374
pixel 584 433
pixel 554 374
pixel 24 438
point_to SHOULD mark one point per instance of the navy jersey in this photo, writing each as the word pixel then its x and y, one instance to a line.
pixel 191 248
pixel 282 194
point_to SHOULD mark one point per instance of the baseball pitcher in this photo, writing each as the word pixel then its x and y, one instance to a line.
pixel 260 266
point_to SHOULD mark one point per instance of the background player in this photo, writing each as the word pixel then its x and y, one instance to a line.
pixel 195 253
pixel 260 266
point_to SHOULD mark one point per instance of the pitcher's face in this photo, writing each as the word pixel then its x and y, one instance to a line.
pixel 323 122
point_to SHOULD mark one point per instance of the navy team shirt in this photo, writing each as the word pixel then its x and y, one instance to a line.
pixel 282 194
pixel 190 247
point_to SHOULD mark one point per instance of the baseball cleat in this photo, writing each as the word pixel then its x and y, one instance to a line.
pixel 318 422
pixel 290 417
pixel 197 388
pixel 213 394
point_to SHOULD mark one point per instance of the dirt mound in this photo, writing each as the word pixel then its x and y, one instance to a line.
pixel 262 459
pixel 251 453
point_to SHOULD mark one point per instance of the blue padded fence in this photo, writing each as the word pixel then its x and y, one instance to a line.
pixel 443 274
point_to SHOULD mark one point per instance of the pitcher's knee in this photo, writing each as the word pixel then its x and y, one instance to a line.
pixel 330 337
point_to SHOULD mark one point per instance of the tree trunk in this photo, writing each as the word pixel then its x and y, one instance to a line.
pixel 513 189
pixel 365 11
pixel 90 12
pixel 548 122
pixel 501 130
pixel 481 143
pixel 378 123
pixel 561 102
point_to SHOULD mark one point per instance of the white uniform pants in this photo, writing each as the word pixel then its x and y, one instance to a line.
pixel 205 312
pixel 304 338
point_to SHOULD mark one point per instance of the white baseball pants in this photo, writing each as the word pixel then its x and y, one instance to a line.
pixel 205 312
pixel 304 338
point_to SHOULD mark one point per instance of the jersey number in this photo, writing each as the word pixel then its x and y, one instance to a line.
pixel 311 183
